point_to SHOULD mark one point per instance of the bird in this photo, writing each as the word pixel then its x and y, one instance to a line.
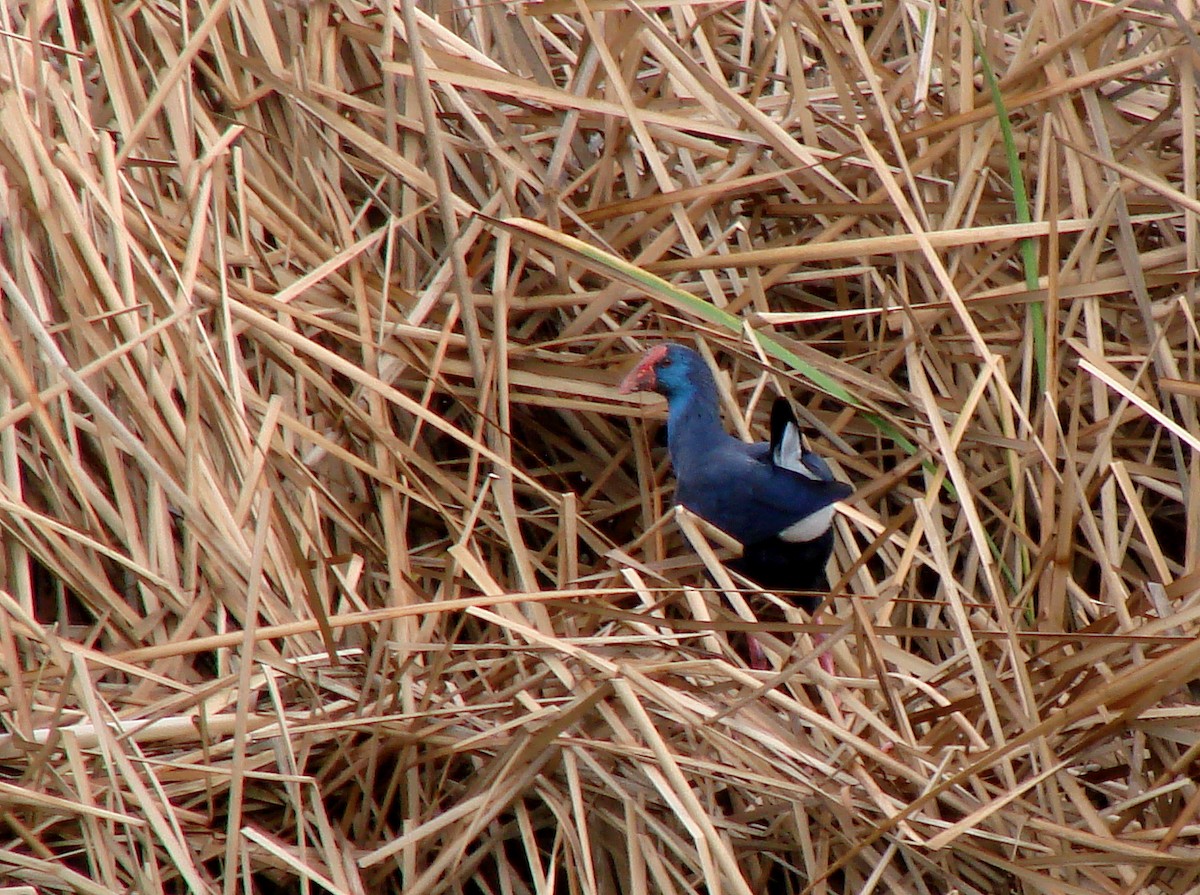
pixel 774 497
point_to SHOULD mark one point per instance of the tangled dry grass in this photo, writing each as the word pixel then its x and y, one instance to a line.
pixel 334 562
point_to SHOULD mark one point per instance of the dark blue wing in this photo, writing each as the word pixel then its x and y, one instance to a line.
pixel 744 494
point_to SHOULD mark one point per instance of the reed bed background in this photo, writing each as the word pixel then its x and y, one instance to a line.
pixel 334 562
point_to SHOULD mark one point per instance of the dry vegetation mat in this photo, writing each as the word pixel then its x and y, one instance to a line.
pixel 332 561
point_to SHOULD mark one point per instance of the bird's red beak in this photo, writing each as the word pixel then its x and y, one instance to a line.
pixel 640 379
pixel 643 378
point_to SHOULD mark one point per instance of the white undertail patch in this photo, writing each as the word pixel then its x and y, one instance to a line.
pixel 810 527
pixel 789 454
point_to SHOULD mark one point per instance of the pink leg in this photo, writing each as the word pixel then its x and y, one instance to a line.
pixel 826 659
pixel 758 657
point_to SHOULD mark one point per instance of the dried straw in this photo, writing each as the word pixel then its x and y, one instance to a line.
pixel 333 560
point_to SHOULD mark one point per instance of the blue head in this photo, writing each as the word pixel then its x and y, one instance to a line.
pixel 671 370
pixel 693 422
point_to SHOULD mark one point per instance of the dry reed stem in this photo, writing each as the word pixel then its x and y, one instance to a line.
pixel 331 553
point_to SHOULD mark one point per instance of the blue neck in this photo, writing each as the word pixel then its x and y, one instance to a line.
pixel 693 426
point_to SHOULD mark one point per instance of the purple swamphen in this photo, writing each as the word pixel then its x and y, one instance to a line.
pixel 774 497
